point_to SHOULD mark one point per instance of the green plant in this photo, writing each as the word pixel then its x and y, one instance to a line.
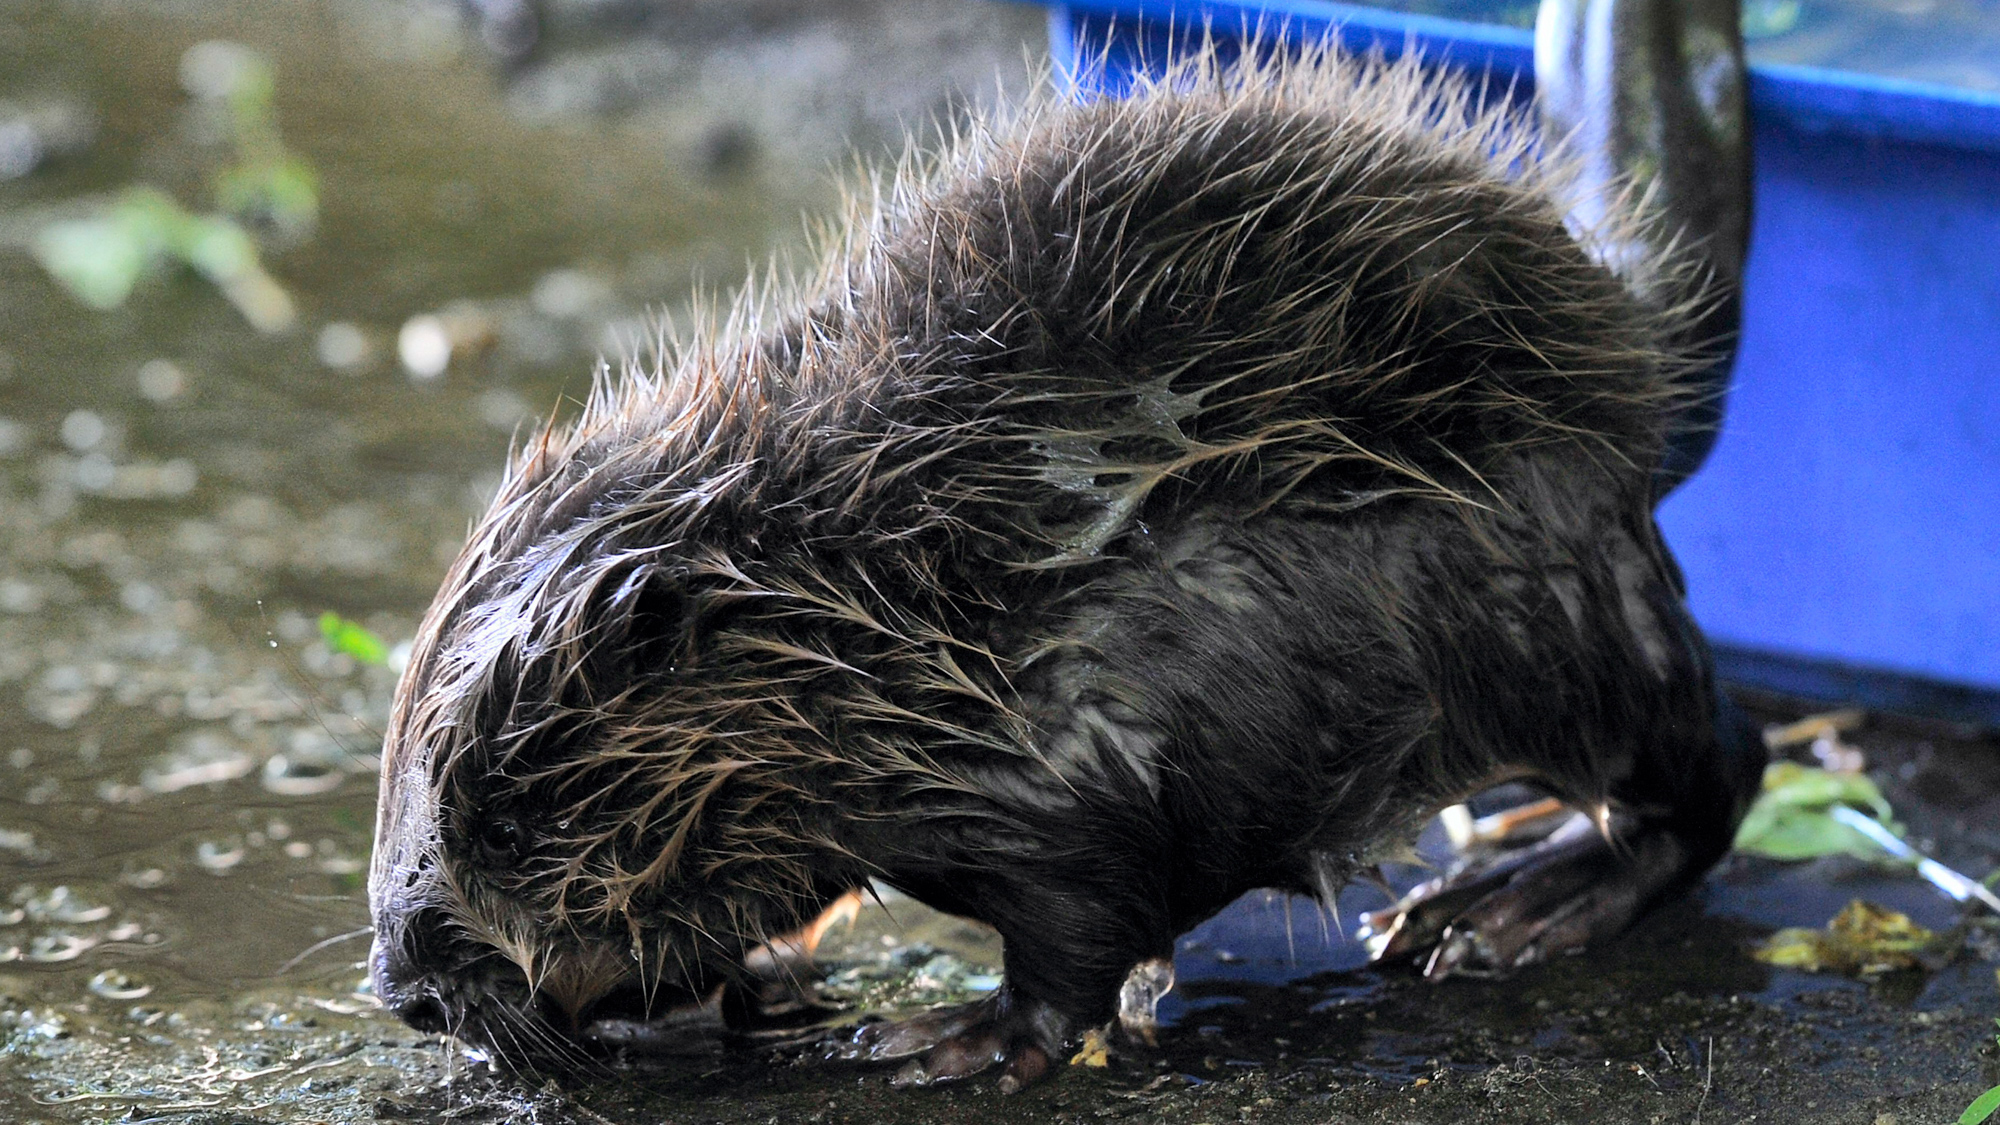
pixel 1986 1104
pixel 1981 1108
pixel 267 182
pixel 342 635
pixel 1793 817
pixel 100 258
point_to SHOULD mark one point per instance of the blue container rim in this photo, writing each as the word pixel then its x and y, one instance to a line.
pixel 1806 98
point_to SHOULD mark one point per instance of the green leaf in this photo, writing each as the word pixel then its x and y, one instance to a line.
pixel 219 250
pixel 97 260
pixel 355 640
pixel 1800 834
pixel 1791 818
pixel 284 190
pixel 1982 1107
pixel 225 254
pixel 155 219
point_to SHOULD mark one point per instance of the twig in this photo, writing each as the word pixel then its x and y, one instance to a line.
pixel 1707 1082
pixel 1960 887
pixel 588 1112
pixel 1831 724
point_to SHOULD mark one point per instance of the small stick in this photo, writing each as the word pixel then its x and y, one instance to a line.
pixel 1829 724
pixel 1707 1082
pixel 1465 832
pixel 1959 886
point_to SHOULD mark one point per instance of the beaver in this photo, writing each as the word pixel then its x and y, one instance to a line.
pixel 1152 499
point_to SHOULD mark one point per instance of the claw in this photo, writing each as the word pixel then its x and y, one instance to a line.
pixel 961 1056
pixel 950 1044
pixel 1139 998
pixel 889 1040
pixel 1023 1070
pixel 789 957
pixel 1453 952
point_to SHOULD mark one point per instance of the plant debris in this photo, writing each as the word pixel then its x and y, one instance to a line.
pixel 1862 940
pixel 1793 819
pixel 1095 1051
pixel 100 258
pixel 342 635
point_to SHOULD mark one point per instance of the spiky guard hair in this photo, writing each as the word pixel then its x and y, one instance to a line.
pixel 772 597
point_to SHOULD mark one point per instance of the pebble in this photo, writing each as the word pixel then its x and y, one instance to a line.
pixel 83 430
pixel 424 347
pixel 218 856
pixel 115 985
pixel 345 347
pixel 162 380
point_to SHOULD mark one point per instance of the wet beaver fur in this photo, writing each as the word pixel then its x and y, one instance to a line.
pixel 1152 500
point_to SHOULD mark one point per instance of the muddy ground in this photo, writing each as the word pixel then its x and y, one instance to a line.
pixel 1274 1020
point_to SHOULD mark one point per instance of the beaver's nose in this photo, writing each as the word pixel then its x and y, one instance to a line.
pixel 403 982
pixel 424 1013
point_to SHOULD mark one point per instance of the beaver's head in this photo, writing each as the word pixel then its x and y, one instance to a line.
pixel 599 783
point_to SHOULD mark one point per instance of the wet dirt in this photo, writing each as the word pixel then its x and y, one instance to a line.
pixel 186 767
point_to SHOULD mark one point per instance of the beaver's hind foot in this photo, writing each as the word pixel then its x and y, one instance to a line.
pixel 1007 1030
pixel 1503 911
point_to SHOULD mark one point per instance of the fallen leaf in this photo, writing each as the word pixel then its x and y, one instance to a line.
pixel 1862 940
pixel 1095 1052
pixel 1791 816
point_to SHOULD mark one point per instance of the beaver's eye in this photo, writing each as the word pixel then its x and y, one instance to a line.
pixel 502 841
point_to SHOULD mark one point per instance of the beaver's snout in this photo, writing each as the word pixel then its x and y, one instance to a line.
pixel 421 976
pixel 406 992
pixel 436 984
pixel 430 974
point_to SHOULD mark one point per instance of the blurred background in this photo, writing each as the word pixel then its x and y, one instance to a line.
pixel 279 282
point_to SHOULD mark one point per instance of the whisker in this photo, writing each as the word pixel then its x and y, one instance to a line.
pixel 316 705
pixel 315 947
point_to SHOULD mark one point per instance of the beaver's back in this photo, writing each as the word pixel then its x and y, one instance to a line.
pixel 1326 282
pixel 1324 278
pixel 1319 290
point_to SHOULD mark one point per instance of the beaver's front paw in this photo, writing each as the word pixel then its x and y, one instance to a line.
pixel 1019 1035
pixel 1500 913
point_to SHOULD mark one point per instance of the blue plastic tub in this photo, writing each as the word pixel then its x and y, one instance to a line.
pixel 1843 541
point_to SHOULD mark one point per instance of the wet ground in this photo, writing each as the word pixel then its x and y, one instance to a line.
pixel 186 768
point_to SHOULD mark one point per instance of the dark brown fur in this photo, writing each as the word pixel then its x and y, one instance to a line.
pixel 1154 499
